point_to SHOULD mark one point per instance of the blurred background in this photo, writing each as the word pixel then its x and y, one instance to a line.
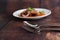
pixel 7 7
pixel 12 5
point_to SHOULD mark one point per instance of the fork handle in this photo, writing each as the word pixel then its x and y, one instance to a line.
pixel 57 29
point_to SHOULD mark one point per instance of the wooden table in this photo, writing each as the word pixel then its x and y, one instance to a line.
pixel 11 26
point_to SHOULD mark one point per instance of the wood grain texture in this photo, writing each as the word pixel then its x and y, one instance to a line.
pixel 12 27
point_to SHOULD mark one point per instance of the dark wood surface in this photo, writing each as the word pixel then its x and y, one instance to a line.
pixel 10 27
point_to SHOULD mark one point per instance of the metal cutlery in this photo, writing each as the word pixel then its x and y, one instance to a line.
pixel 38 28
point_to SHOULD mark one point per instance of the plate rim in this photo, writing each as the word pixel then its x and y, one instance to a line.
pixel 37 17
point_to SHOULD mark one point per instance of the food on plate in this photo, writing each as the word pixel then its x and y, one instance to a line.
pixel 31 12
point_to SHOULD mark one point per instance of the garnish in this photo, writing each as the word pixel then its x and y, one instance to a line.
pixel 30 9
pixel 41 12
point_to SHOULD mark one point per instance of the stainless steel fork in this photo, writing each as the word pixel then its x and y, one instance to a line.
pixel 38 28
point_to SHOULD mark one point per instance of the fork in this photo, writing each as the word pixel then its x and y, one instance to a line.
pixel 40 28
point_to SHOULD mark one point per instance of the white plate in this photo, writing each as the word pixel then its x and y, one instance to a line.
pixel 18 12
